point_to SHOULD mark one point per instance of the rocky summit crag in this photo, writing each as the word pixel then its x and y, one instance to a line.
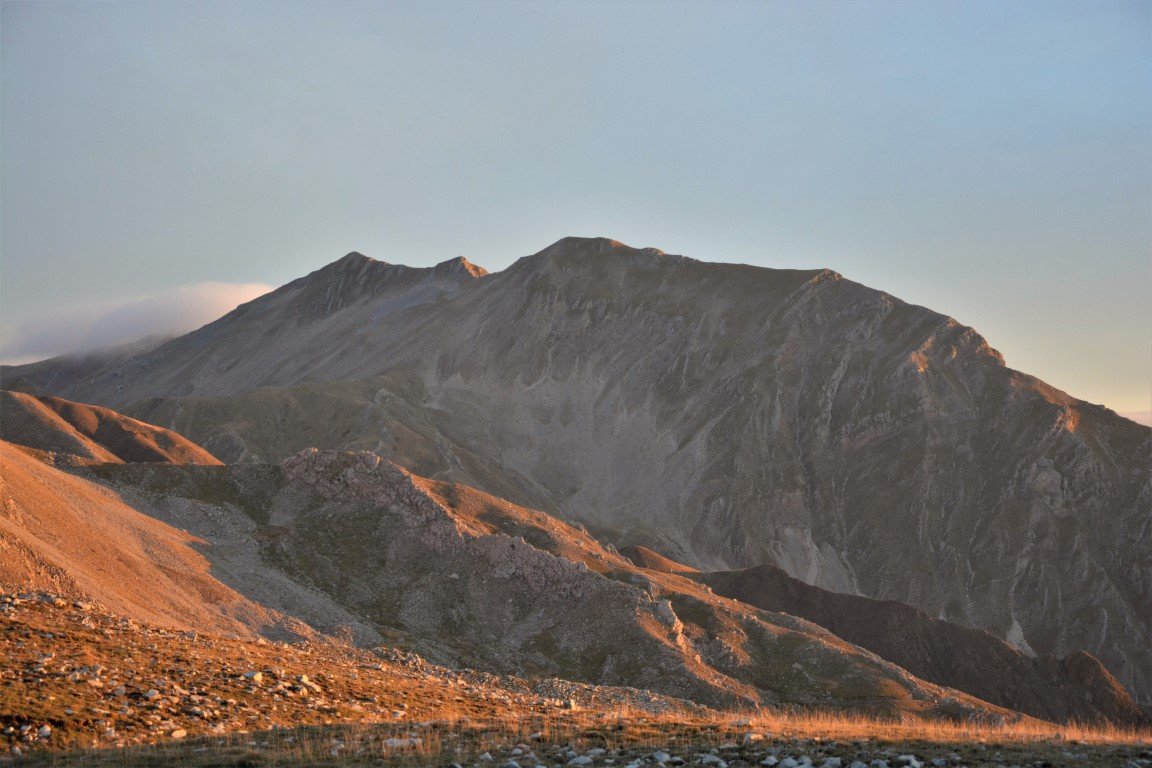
pixel 726 415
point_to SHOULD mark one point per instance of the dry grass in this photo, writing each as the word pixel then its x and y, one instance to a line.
pixel 445 741
pixel 838 726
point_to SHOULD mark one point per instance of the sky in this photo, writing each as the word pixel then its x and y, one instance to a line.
pixel 162 161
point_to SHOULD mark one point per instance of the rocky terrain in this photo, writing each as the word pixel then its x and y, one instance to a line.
pixel 76 538
pixel 351 546
pixel 76 674
pixel 81 685
pixel 728 415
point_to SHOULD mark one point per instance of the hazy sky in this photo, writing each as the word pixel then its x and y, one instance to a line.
pixel 990 160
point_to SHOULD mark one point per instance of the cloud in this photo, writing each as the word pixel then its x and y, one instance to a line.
pixel 92 326
pixel 1140 417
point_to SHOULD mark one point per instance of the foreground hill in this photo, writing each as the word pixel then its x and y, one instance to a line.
pixel 728 415
pixel 91 432
pixel 78 539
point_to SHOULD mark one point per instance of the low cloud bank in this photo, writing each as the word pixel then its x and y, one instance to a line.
pixel 92 326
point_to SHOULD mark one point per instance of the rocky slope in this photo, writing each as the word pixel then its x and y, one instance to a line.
pixel 729 415
pixel 654 561
pixel 91 432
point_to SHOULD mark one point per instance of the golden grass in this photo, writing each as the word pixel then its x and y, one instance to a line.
pixel 462 739
pixel 856 727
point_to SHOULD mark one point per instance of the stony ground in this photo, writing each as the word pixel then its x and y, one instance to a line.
pixel 80 686
pixel 75 675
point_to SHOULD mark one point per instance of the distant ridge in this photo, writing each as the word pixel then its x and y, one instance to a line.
pixel 99 434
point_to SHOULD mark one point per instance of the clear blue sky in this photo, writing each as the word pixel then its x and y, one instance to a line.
pixel 991 160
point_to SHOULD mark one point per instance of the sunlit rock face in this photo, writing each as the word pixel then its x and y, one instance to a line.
pixel 726 415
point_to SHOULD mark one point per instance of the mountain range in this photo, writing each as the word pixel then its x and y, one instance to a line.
pixel 449 459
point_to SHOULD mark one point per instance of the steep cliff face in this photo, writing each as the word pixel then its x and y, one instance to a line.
pixel 728 415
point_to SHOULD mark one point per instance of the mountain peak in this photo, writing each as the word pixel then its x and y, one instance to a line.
pixel 597 245
pixel 459 266
pixel 590 251
pixel 354 257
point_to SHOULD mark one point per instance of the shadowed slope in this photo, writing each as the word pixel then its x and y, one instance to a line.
pixel 1074 688
pixel 91 432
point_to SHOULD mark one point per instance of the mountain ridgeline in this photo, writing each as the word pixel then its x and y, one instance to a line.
pixel 725 415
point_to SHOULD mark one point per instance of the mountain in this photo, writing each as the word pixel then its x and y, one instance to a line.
pixel 731 416
pixel 91 432
pixel 1074 688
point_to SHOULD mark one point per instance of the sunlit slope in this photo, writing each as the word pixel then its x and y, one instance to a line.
pixel 69 535
pixel 91 432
